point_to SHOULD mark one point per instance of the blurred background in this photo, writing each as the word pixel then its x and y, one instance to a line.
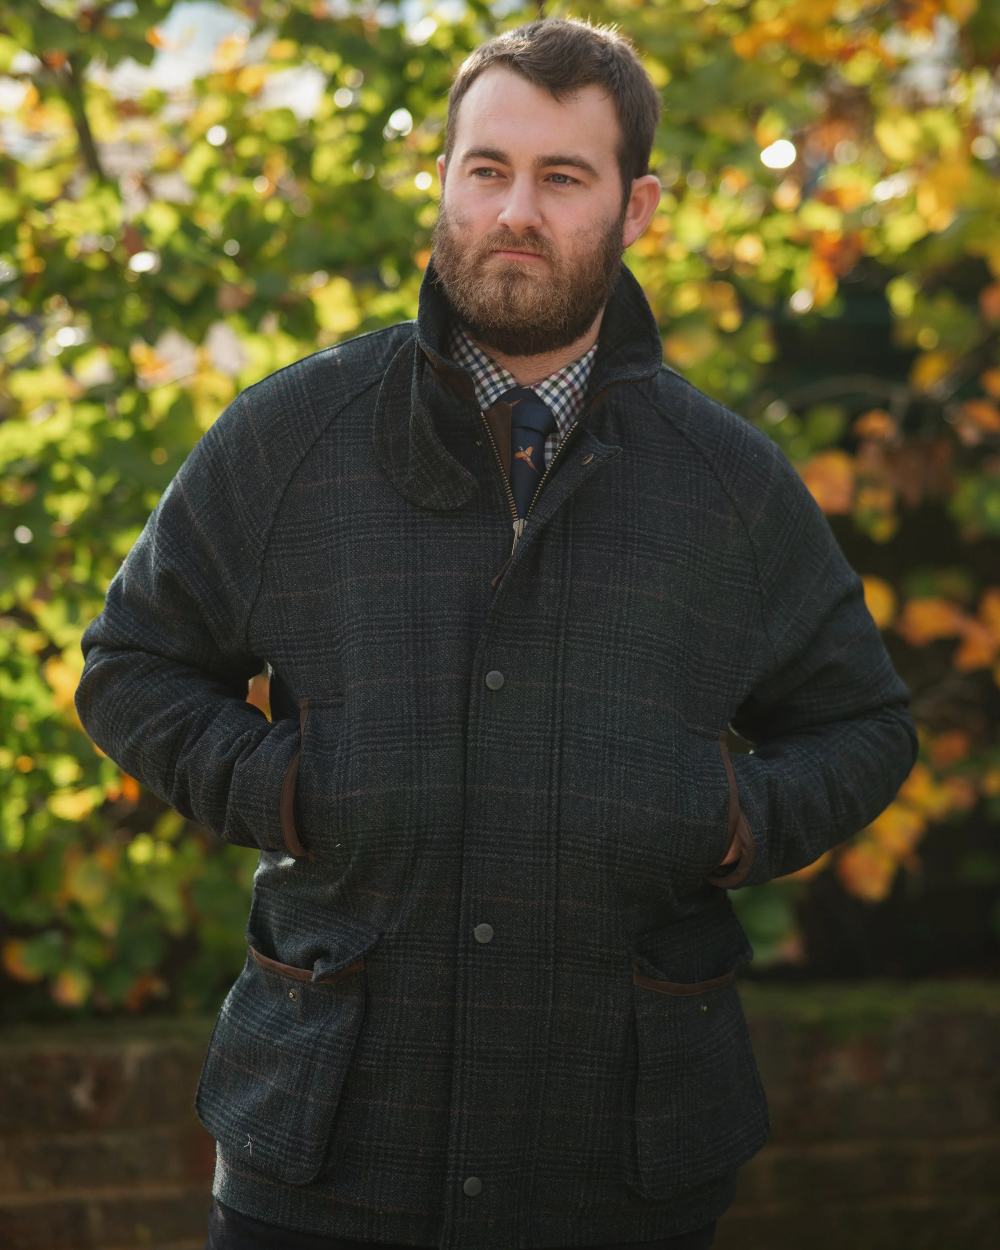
pixel 193 195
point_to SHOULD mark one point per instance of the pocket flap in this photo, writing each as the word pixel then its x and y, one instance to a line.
pixel 304 940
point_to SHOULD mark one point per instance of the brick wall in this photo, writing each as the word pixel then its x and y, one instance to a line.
pixel 885 1107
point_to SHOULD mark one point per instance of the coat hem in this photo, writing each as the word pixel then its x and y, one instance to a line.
pixel 316 1209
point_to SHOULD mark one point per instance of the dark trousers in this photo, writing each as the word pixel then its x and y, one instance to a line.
pixel 229 1230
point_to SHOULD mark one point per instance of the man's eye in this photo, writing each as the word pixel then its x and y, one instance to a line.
pixel 567 180
pixel 483 169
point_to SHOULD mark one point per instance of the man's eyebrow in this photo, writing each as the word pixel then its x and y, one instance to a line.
pixel 541 162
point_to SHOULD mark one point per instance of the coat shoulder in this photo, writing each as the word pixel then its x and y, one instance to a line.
pixel 312 390
pixel 748 465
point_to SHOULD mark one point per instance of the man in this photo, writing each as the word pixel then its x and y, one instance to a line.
pixel 513 581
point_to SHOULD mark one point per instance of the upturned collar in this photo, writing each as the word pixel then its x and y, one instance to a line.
pixel 426 401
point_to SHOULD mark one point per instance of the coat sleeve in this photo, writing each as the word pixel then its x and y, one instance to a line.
pixel 167 662
pixel 828 716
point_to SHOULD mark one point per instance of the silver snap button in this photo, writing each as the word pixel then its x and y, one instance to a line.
pixel 293 994
pixel 494 679
pixel 472 1185
pixel 483 933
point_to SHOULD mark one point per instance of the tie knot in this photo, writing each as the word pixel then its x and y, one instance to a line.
pixel 529 410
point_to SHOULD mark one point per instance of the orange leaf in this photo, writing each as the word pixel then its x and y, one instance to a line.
pixel 14 962
pixel 924 620
pixel 875 424
pixel 962 793
pixel 866 871
pixel 829 476
pixel 989 610
pixel 991 382
pixel 978 649
pixel 989 301
pixel 949 748
pixel 982 413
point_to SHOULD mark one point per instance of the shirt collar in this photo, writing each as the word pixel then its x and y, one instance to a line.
pixel 563 390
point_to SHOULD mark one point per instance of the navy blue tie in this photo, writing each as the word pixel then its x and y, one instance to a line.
pixel 531 421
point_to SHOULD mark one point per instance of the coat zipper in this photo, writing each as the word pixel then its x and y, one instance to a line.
pixel 520 522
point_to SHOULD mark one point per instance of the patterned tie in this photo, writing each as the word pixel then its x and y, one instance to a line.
pixel 531 421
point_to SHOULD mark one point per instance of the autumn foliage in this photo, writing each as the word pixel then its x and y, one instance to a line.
pixel 825 261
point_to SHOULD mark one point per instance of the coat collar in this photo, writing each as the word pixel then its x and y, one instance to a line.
pixel 426 403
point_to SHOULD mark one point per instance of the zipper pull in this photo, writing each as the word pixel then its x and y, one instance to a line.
pixel 495 579
pixel 518 531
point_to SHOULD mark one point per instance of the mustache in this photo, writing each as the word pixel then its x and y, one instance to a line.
pixel 511 242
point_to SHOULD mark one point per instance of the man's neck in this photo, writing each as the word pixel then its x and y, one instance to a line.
pixel 530 370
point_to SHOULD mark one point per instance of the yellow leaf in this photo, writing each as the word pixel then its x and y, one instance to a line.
pixel 229 52
pixel 71 987
pixel 922 793
pixel 960 10
pixel 691 346
pixel 930 368
pixel 63 681
pixel 898 135
pixel 939 192
pixel 880 600
pixel 74 805
pixel 283 50
pixel 336 305
pixel 897 830
pixel 250 79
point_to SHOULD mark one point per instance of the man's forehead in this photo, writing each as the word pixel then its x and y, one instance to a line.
pixel 505 112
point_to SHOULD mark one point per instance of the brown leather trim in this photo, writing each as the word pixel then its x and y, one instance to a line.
pixel 286 807
pixel 680 987
pixel 303 974
pixel 455 379
pixel 498 419
pixel 737 825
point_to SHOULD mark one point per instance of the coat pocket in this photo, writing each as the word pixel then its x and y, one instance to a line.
pixel 699 1104
pixel 280 1050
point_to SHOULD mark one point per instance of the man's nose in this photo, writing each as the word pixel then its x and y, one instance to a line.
pixel 520 211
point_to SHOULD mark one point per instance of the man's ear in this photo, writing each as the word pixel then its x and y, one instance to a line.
pixel 642 202
pixel 441 167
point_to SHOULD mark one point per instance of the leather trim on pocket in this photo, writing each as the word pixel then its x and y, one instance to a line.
pixel 737 826
pixel 697 1107
pixel 304 974
pixel 289 833
pixel 681 987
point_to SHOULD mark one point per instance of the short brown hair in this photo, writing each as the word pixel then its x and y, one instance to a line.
pixel 561 55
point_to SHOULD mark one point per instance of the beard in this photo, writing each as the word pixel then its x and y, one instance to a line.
pixel 523 308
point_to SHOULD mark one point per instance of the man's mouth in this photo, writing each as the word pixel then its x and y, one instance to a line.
pixel 517 254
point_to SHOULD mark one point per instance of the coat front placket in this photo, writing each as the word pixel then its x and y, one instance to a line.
pixel 506 962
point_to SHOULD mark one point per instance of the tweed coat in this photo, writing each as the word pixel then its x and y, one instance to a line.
pixel 489 999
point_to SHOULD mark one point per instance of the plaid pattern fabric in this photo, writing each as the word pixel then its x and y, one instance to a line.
pixel 563 390
pixel 490 994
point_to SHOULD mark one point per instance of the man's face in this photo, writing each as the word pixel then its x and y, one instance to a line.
pixel 532 223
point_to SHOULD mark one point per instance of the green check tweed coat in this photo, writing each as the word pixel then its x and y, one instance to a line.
pixel 489 1000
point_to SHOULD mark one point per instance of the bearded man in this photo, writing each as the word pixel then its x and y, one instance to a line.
pixel 522 591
